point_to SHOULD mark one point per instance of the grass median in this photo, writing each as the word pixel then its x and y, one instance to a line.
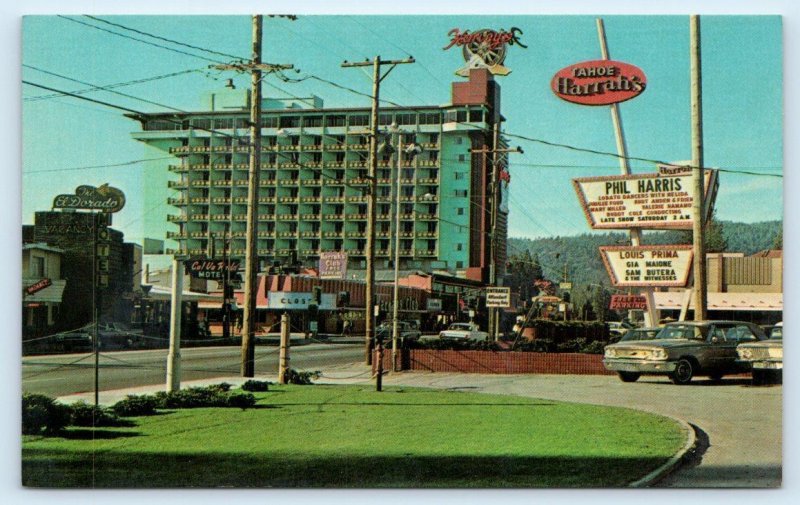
pixel 351 436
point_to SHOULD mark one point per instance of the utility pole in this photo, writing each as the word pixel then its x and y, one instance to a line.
pixel 494 208
pixel 698 176
pixel 255 67
pixel 650 315
pixel 369 304
pixel 175 314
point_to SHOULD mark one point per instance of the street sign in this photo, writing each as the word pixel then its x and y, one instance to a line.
pixel 332 265
pixel 628 302
pixel 649 201
pixel 498 297
pixel 648 266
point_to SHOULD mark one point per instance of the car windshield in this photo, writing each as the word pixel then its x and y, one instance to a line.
pixel 639 334
pixel 680 332
pixel 459 326
pixel 777 333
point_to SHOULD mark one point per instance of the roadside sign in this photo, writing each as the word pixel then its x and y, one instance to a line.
pixel 498 297
pixel 38 286
pixel 288 300
pixel 434 305
pixel 649 201
pixel 598 82
pixel 212 268
pixel 332 265
pixel 648 266
pixel 105 199
pixel 628 302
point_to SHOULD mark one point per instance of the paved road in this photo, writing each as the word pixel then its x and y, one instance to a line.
pixel 740 426
pixel 60 375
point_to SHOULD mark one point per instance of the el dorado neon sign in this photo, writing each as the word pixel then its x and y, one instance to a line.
pixel 599 82
pixel 484 48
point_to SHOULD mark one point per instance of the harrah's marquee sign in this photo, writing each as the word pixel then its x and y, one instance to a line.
pixel 599 82
pixel 484 48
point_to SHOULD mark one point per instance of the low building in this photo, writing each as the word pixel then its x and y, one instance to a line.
pixel 744 288
pixel 42 288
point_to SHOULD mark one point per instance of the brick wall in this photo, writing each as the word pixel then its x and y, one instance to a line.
pixel 498 362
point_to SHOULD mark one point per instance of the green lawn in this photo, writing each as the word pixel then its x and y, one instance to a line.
pixel 347 436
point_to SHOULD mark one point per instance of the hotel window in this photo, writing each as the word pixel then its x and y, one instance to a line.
pixel 475 116
pixel 337 120
pixel 459 247
pixel 460 211
pixel 359 120
pixel 460 193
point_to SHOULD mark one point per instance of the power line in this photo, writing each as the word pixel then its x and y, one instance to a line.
pixel 139 40
pixel 100 88
pixel 124 164
pixel 190 46
pixel 107 90
pixel 536 140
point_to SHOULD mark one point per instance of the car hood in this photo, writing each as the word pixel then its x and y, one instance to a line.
pixel 670 343
pixel 769 344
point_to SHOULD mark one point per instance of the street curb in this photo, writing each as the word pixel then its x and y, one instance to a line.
pixel 674 462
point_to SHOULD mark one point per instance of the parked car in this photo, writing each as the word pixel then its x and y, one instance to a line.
pixel 115 335
pixel 405 332
pixel 682 350
pixel 74 340
pixel 765 358
pixel 463 331
pixel 617 329
pixel 639 334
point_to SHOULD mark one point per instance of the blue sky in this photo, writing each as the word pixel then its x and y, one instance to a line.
pixel 742 71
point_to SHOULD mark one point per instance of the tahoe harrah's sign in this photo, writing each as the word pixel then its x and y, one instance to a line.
pixel 599 82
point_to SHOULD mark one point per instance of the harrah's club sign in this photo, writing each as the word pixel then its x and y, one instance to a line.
pixel 599 82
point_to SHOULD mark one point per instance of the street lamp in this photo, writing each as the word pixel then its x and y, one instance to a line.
pixel 411 150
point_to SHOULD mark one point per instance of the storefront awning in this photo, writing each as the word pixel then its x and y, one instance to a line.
pixel 673 300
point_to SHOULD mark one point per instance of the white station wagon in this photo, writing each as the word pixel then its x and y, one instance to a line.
pixel 463 331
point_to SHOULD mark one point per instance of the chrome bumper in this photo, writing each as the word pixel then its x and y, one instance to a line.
pixel 638 366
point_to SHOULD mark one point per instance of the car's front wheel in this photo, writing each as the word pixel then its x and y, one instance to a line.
pixel 629 376
pixel 683 373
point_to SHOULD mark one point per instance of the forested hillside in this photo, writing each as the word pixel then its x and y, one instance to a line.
pixel 579 255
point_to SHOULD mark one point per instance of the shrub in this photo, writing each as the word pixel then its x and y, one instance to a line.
pixel 256 386
pixel 216 395
pixel 43 415
pixel 456 345
pixel 83 414
pixel 133 406
pixel 595 347
pixel 538 345
pixel 302 378
pixel 241 400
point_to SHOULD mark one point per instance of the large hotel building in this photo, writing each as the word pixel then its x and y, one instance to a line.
pixel 314 165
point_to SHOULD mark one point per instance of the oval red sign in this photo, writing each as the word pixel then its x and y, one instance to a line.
pixel 599 82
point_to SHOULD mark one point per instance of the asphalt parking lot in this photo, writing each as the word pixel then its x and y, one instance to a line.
pixel 739 427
